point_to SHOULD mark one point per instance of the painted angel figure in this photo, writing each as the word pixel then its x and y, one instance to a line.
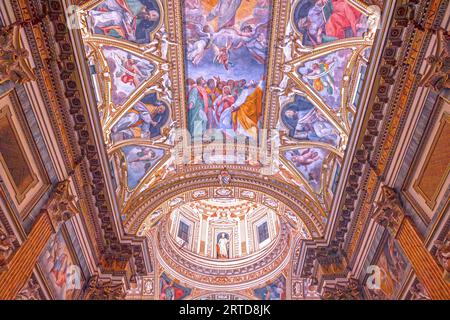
pixel 224 41
pixel 225 12
pixel 253 37
pixel 139 121
pixel 194 11
pixel 114 15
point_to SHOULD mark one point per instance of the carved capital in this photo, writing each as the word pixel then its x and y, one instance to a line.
pixel 103 290
pixel 13 58
pixel 29 292
pixel 61 206
pixel 348 291
pixel 389 211
pixel 224 177
pixel 6 248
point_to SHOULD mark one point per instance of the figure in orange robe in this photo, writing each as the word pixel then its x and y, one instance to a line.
pixel 248 113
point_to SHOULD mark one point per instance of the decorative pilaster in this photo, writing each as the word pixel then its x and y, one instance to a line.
pixel 22 264
pixel 391 214
pixel 57 211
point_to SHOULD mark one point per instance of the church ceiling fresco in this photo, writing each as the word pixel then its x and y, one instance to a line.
pixel 217 57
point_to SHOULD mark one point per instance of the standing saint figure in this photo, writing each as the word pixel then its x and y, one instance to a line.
pixel 222 247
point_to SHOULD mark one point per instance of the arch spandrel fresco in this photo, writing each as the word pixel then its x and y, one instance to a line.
pixel 327 21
